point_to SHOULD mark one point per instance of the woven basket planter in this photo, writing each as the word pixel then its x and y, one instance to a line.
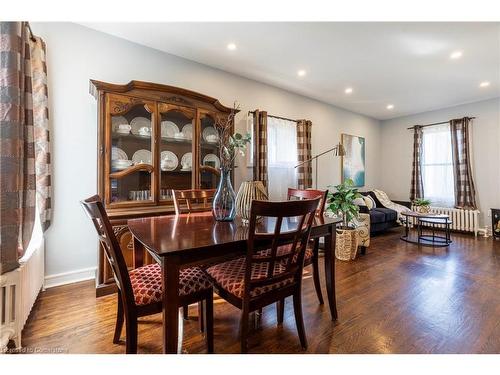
pixel 423 209
pixel 346 246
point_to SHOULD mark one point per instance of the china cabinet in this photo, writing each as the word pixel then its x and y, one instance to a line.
pixel 151 138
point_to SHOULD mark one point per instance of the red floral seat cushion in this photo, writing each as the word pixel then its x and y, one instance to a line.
pixel 230 276
pixel 147 283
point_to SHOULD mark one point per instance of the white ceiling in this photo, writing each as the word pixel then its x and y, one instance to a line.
pixel 404 64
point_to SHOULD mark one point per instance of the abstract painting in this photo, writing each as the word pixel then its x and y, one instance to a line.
pixel 353 163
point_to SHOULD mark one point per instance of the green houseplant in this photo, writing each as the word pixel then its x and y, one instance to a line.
pixel 341 202
pixel 422 205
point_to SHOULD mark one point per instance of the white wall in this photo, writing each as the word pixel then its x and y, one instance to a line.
pixel 77 54
pixel 397 142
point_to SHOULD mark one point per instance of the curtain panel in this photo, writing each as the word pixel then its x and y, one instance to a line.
pixel 24 141
pixel 17 153
pixel 465 192
pixel 41 131
pixel 304 172
pixel 417 185
pixel 260 147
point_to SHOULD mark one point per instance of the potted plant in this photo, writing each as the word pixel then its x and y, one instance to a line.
pixel 422 205
pixel 230 145
pixel 341 202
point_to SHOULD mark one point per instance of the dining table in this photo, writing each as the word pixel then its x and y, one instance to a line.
pixel 178 241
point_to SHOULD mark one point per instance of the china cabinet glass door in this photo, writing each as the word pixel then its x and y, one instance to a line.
pixel 208 151
pixel 130 160
pixel 177 130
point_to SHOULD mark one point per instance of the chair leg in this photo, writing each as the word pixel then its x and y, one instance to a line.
pixel 185 312
pixel 180 330
pixel 119 320
pixel 363 250
pixel 131 331
pixel 244 330
pixel 208 317
pixel 299 320
pixel 201 317
pixel 280 311
pixel 315 266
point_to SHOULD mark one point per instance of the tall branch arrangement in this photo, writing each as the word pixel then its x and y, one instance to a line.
pixel 230 144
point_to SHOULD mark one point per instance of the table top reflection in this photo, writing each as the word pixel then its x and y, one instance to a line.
pixel 168 235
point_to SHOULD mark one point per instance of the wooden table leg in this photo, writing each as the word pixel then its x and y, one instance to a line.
pixel 138 253
pixel 330 271
pixel 170 276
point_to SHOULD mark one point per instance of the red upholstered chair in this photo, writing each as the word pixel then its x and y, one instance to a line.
pixel 311 257
pixel 140 290
pixel 272 268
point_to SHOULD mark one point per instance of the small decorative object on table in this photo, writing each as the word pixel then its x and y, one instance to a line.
pixel 224 203
pixel 342 202
pixel 249 190
pixel 422 205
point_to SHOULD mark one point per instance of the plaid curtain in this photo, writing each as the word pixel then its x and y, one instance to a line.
pixel 17 152
pixel 41 131
pixel 304 172
pixel 260 146
pixel 465 193
pixel 417 185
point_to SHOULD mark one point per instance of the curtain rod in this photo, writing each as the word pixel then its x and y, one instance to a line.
pixel 278 117
pixel 32 36
pixel 435 123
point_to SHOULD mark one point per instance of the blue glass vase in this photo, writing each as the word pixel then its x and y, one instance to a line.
pixel 224 203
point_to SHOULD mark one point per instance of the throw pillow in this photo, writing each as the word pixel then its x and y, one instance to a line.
pixel 370 203
pixel 359 202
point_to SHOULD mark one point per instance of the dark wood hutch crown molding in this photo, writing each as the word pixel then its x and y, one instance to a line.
pixel 156 91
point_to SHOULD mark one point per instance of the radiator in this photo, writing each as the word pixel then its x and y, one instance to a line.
pixel 462 220
pixel 18 292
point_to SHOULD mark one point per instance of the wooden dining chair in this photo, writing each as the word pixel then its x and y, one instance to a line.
pixel 188 201
pixel 311 256
pixel 193 200
pixel 272 267
pixel 140 290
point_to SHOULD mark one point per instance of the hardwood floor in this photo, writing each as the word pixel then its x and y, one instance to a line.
pixel 398 298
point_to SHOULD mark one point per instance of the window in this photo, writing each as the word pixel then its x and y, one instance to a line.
pixel 282 157
pixel 437 166
pixel 281 153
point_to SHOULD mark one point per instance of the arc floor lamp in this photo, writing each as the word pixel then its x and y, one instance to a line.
pixel 338 150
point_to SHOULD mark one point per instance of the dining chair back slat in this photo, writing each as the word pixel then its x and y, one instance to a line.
pixel 193 200
pixel 298 194
pixel 285 247
pixel 97 213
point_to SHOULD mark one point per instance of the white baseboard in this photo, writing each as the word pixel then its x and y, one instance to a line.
pixel 70 277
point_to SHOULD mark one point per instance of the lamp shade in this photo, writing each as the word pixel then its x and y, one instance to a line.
pixel 339 150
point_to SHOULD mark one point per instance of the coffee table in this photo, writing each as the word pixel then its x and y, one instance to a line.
pixel 434 220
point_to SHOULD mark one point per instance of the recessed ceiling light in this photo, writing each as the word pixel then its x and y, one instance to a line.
pixel 456 55
pixel 348 90
pixel 301 73
pixel 231 46
pixel 484 84
pixel 390 106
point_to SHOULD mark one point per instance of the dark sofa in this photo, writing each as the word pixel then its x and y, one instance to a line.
pixel 381 218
